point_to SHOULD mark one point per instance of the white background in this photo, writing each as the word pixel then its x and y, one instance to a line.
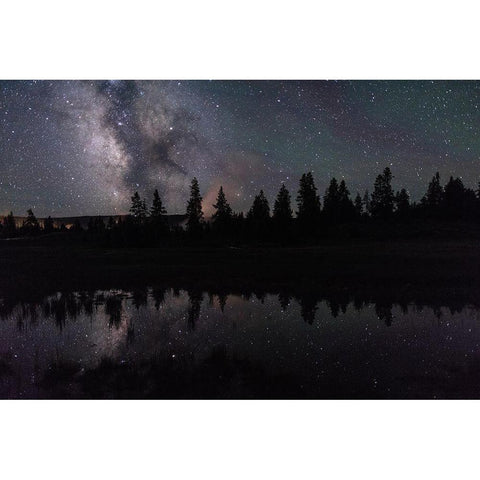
pixel 242 40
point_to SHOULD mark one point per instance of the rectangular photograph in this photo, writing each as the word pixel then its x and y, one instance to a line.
pixel 250 239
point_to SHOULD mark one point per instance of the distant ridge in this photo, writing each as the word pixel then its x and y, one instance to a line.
pixel 173 220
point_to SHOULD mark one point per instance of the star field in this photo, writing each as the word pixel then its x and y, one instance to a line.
pixel 83 147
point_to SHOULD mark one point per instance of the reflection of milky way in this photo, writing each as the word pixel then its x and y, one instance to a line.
pixel 82 147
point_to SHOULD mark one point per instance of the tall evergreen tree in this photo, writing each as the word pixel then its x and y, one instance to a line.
pixel 139 208
pixel 157 210
pixel 358 205
pixel 308 214
pixel 282 209
pixel 194 208
pixel 402 203
pixel 347 209
pixel 258 217
pixel 222 217
pixel 434 195
pixel 331 202
pixel 459 202
pixel 260 209
pixel 158 225
pixel 337 205
pixel 283 214
pixel 382 200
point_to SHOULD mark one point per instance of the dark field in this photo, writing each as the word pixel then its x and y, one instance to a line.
pixel 27 264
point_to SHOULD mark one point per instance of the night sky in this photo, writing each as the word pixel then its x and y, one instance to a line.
pixel 83 147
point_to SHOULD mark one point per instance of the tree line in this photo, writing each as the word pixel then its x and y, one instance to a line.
pixel 337 214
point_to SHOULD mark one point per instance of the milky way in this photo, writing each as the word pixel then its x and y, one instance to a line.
pixel 83 147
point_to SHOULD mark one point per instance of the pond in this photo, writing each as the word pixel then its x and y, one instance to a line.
pixel 154 342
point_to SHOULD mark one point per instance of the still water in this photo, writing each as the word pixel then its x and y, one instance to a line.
pixel 164 343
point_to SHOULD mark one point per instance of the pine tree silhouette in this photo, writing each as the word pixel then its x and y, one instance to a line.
pixel 402 203
pixel 194 208
pixel 432 201
pixel 138 209
pixel 258 217
pixel 382 200
pixel 459 202
pixel 222 217
pixel 358 205
pixel 158 226
pixel 260 210
pixel 331 202
pixel 309 208
pixel 347 209
pixel 283 214
pixel 157 210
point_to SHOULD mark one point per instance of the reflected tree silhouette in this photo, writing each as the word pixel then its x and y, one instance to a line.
pixel 69 305
pixel 284 300
pixel 139 297
pixel 195 298
pixel 113 308
pixel 222 300
pixel 384 312
pixel 130 333
pixel 158 295
pixel 308 307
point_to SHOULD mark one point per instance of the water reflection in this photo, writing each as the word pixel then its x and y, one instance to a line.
pixel 160 342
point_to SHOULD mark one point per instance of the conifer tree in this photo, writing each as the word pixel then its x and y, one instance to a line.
pixel 382 200
pixel 138 208
pixel 457 199
pixel 223 214
pixel 358 205
pixel 260 209
pixel 258 217
pixel 283 215
pixel 347 209
pixel 282 209
pixel 308 214
pixel 402 203
pixel 331 202
pixel 434 196
pixel 157 209
pixel 194 208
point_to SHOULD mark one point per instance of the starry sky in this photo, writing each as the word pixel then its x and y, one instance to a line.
pixel 83 147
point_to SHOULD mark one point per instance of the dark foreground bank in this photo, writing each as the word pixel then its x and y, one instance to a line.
pixel 27 265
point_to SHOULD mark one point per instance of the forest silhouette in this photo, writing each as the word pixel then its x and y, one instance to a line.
pixel 382 214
